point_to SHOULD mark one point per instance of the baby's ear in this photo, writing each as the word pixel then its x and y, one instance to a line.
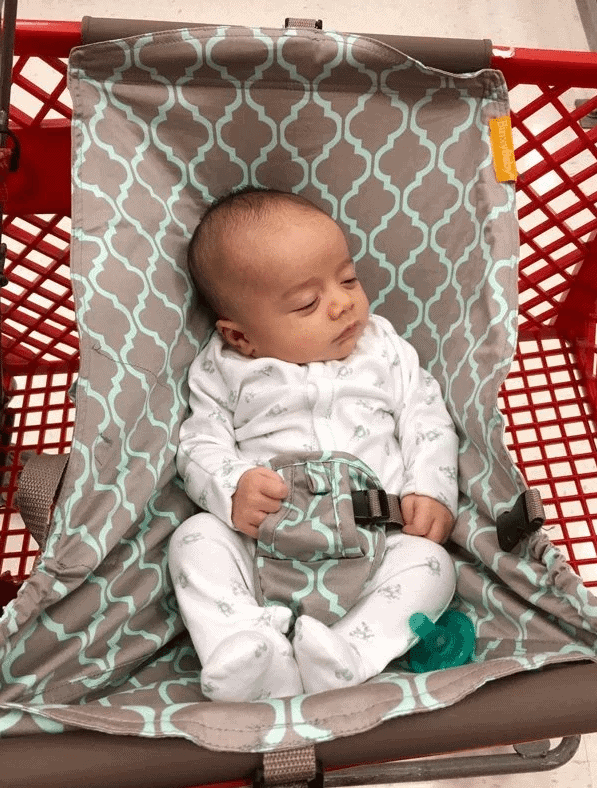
pixel 233 334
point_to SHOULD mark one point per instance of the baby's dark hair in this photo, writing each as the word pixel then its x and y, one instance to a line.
pixel 249 205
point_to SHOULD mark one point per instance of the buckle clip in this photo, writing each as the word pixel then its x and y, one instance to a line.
pixel 526 517
pixel 370 507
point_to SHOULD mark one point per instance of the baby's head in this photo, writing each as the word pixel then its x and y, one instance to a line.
pixel 277 272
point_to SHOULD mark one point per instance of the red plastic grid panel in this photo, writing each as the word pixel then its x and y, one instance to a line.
pixel 556 196
pixel 38 319
pixel 552 434
pixel 39 91
pixel 40 360
pixel 39 335
pixel 40 418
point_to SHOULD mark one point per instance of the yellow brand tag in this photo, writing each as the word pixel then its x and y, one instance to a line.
pixel 502 147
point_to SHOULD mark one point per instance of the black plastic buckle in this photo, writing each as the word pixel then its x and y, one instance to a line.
pixel 362 509
pixel 514 525
pixel 315 782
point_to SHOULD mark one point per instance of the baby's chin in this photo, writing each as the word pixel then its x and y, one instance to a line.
pixel 335 353
pixel 345 353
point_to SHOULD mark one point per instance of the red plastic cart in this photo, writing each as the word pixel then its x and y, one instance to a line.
pixel 549 398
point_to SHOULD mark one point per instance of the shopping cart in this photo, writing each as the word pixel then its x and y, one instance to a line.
pixel 549 400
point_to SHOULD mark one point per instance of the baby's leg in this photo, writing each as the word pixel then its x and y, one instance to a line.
pixel 415 576
pixel 242 648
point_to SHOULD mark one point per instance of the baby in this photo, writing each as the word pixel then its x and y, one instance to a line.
pixel 298 363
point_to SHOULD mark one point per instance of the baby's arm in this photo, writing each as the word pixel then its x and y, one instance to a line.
pixel 429 446
pixel 207 459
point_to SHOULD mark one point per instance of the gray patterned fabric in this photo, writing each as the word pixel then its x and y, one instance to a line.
pixel 399 155
pixel 311 555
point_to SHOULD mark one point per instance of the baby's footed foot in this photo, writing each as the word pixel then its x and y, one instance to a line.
pixel 325 659
pixel 250 666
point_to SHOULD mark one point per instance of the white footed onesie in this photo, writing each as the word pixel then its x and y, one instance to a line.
pixel 377 404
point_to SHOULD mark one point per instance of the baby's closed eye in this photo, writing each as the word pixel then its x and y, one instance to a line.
pixel 308 307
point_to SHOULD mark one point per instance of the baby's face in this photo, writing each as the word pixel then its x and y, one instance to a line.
pixel 306 304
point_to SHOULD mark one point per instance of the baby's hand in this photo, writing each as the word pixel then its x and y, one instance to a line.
pixel 424 516
pixel 258 493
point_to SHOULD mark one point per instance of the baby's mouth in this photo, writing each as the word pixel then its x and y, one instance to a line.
pixel 348 332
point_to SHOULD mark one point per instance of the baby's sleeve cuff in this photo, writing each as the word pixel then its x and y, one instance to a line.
pixel 448 496
pixel 216 495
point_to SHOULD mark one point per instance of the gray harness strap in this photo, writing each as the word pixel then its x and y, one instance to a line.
pixel 377 506
pixel 317 552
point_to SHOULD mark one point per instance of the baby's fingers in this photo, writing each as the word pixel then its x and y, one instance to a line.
pixel 438 532
pixel 271 485
pixel 407 507
pixel 267 504
pixel 415 522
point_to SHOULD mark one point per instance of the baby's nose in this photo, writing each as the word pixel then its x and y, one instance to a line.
pixel 338 307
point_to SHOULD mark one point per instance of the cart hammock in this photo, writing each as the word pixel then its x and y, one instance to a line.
pixel 399 155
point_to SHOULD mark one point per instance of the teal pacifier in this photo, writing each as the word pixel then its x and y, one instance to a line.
pixel 446 644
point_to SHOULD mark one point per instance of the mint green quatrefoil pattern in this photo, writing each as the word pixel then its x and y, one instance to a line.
pixel 399 156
